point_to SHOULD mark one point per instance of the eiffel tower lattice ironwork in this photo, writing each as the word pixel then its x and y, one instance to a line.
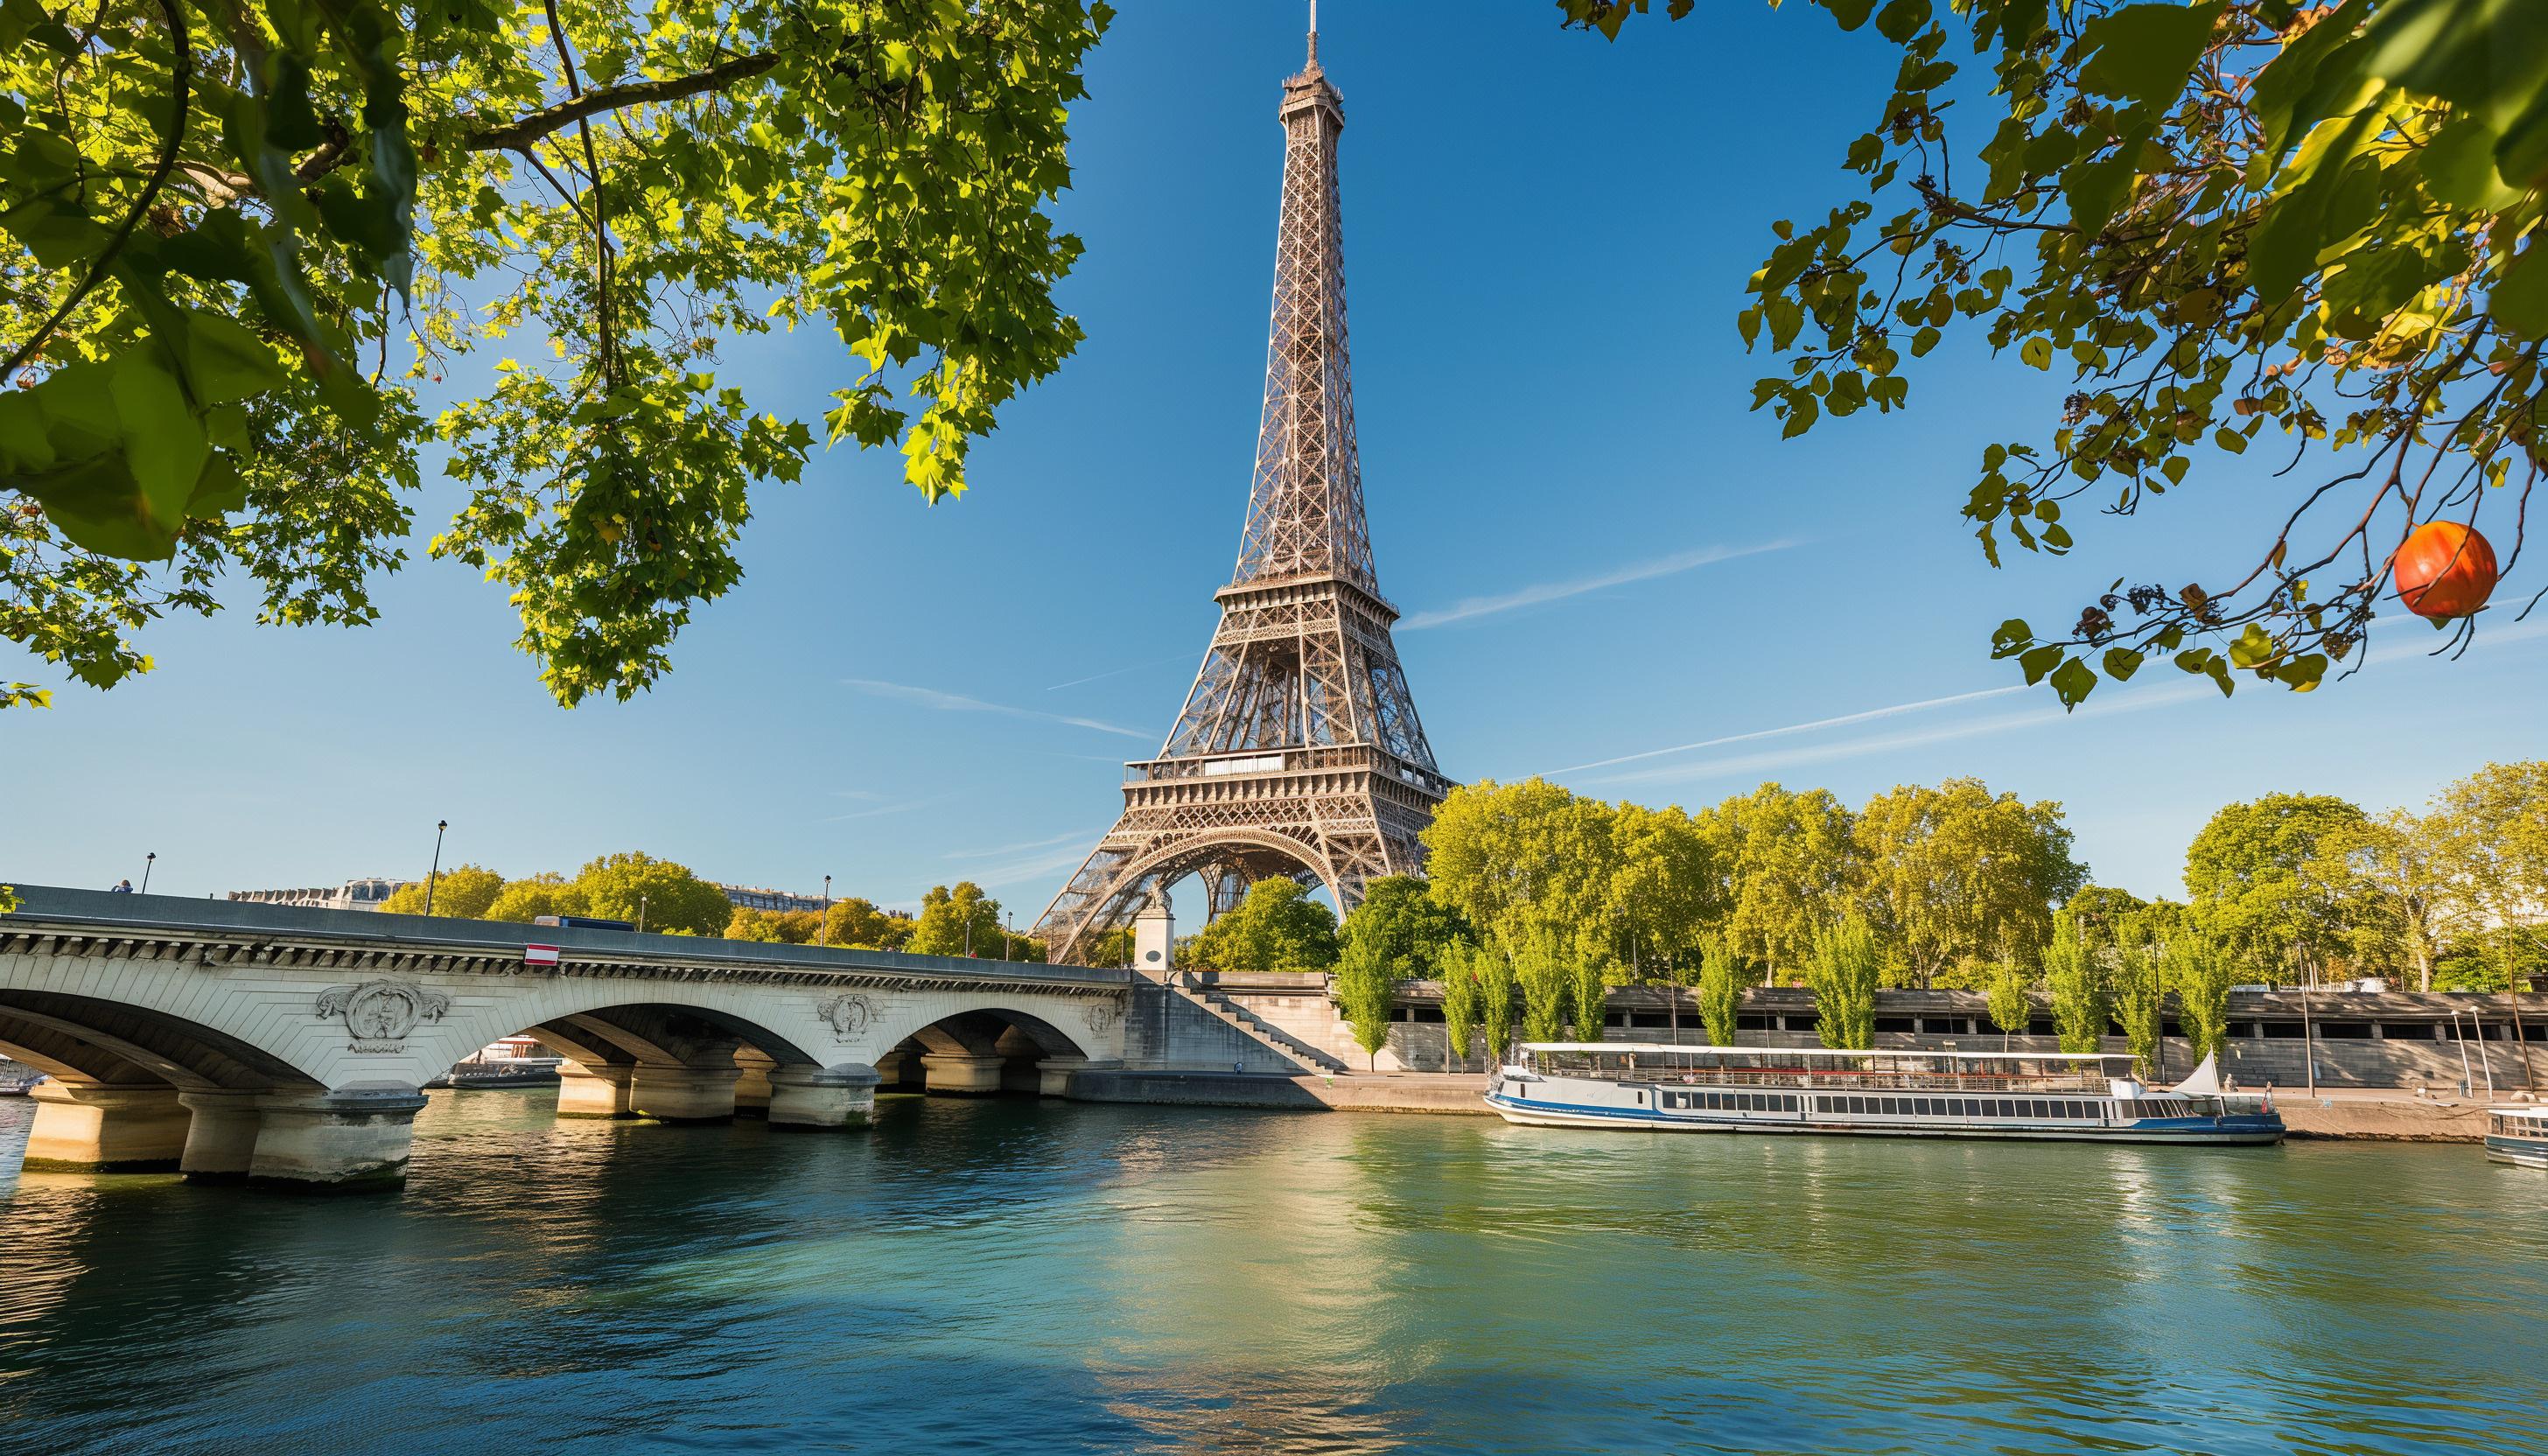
pixel 1299 752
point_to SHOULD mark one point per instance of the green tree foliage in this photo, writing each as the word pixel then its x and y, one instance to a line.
pixel 463 892
pixel 226 216
pixel 1953 871
pixel 1847 961
pixel 1526 861
pixel 1463 1003
pixel 2413 902
pixel 2216 218
pixel 1544 972
pixel 962 920
pixel 1276 926
pixel 1666 889
pixel 2199 974
pixel 1412 934
pixel 2137 991
pixel 2008 983
pixel 656 894
pixel 2098 910
pixel 2074 979
pixel 1496 979
pixel 2492 828
pixel 859 925
pixel 1720 990
pixel 2249 875
pixel 757 926
pixel 522 901
pixel 1366 991
pixel 1109 948
pixel 1788 863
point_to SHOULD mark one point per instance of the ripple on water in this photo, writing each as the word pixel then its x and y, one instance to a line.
pixel 1019 1276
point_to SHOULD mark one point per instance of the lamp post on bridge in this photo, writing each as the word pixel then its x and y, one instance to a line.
pixel 147 861
pixel 435 874
pixel 641 912
pixel 825 925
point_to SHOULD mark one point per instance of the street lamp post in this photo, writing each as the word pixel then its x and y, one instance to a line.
pixel 1010 936
pixel 825 938
pixel 147 861
pixel 641 912
pixel 435 874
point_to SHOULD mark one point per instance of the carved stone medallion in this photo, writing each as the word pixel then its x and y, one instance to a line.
pixel 847 1015
pixel 1103 1014
pixel 381 1013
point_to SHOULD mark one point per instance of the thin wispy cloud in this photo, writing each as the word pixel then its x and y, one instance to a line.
pixel 873 813
pixel 1470 609
pixel 956 703
pixel 2112 702
pixel 1076 837
pixel 1817 724
pixel 1183 657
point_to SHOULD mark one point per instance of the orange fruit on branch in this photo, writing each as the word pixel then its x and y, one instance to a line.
pixel 2445 570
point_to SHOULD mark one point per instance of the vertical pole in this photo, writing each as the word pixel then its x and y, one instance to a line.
pixel 435 874
pixel 2308 1029
pixel 2512 998
pixel 824 935
pixel 147 861
pixel 641 912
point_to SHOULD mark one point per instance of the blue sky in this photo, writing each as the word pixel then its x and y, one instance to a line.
pixel 1613 574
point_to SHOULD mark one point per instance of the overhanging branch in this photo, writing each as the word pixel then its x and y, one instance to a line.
pixel 515 135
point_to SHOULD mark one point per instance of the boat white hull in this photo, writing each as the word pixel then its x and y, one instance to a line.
pixel 2172 1131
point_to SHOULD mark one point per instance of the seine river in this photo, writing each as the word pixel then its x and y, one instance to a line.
pixel 1015 1277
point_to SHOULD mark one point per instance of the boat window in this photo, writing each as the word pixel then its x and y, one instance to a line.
pixel 1854 1105
pixel 1920 1105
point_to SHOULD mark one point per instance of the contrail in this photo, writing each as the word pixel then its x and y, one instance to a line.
pixel 1479 606
pixel 956 703
pixel 1842 721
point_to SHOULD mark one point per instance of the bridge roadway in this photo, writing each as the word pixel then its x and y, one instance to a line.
pixel 233 1039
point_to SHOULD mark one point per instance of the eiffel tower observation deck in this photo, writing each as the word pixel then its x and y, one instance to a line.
pixel 1299 752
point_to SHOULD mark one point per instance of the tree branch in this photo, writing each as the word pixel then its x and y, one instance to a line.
pixel 515 135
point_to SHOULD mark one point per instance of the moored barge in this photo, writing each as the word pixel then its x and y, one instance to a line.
pixel 2517 1136
pixel 2080 1096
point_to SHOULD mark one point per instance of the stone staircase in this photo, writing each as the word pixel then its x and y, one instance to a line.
pixel 1257 1028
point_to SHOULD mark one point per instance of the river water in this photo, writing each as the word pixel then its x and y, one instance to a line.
pixel 1022 1277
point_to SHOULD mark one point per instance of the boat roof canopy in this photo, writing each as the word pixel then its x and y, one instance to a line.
pixel 2535 1114
pixel 1672 1049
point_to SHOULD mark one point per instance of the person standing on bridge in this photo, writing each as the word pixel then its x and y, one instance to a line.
pixel 122 887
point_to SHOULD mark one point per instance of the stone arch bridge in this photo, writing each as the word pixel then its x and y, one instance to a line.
pixel 232 1039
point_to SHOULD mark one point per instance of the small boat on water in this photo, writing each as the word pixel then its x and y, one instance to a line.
pixel 521 1072
pixel 2517 1136
pixel 2084 1096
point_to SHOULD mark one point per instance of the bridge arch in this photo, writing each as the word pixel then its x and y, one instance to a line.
pixel 988 1049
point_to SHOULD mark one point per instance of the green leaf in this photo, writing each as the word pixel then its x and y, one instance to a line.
pixel 24 450
pixel 2073 680
pixel 2254 647
pixel 2458 167
pixel 2144 52
pixel 2038 661
pixel 226 362
pixel 163 438
pixel 2095 189
pixel 2122 662
pixel 2519 301
pixel 2036 351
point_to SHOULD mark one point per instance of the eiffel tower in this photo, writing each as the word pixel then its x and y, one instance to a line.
pixel 1299 752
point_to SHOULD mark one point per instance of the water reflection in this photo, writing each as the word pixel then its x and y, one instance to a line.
pixel 1015 1275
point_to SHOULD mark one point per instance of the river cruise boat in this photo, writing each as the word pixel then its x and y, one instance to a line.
pixel 2517 1136
pixel 2083 1097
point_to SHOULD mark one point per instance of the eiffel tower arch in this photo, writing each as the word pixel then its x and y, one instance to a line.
pixel 1299 752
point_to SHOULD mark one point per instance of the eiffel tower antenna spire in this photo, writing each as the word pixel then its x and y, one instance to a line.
pixel 1298 751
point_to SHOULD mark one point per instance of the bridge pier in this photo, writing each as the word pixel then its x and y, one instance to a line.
pixel 354 1138
pixel 962 1074
pixel 752 1087
pixel 84 1127
pixel 221 1140
pixel 685 1094
pixel 1052 1074
pixel 599 1091
pixel 828 1097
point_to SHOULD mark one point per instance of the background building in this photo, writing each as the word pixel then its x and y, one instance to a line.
pixel 755 897
pixel 354 894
